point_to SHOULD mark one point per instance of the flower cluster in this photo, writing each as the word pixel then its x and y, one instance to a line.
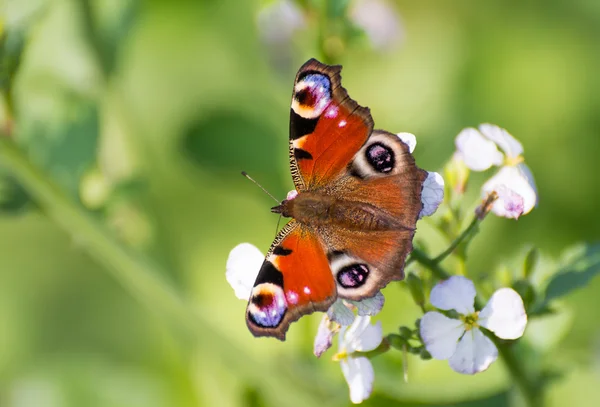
pixel 513 183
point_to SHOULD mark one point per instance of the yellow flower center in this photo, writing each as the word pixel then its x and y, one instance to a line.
pixel 341 355
pixel 513 161
pixel 470 320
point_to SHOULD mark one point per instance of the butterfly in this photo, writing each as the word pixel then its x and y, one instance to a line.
pixel 354 211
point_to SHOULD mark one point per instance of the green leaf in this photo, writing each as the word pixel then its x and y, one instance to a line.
pixel 337 8
pixel 13 197
pixel 531 261
pixel 225 143
pixel 526 291
pixel 578 265
pixel 11 49
pixel 415 285
pixel 64 145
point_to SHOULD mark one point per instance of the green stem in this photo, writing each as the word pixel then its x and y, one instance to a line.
pixel 528 387
pixel 469 232
pixel 531 391
pixel 141 277
pixel 420 257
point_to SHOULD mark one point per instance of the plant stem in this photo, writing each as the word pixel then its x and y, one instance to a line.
pixel 531 392
pixel 420 257
pixel 141 277
pixel 467 233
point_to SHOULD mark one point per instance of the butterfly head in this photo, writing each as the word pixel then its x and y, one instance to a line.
pixel 285 208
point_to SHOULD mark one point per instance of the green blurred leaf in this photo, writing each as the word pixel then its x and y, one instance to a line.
pixel 226 143
pixel 66 145
pixel 526 291
pixel 13 198
pixel 531 260
pixel 12 44
pixel 337 8
pixel 105 27
pixel 415 285
pixel 579 265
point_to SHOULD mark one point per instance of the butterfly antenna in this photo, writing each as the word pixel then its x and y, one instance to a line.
pixel 245 174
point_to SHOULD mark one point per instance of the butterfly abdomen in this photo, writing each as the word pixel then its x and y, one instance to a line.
pixel 315 209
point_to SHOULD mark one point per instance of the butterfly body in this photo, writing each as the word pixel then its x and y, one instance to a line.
pixel 315 209
pixel 354 215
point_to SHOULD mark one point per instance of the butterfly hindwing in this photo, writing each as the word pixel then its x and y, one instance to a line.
pixel 294 280
pixel 382 175
pixel 327 128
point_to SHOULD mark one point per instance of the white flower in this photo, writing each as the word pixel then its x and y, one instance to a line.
pixel 433 186
pixel 379 21
pixel 461 341
pixel 433 194
pixel 325 333
pixel 514 184
pixel 278 21
pixel 341 313
pixel 409 139
pixel 243 265
pixel 361 336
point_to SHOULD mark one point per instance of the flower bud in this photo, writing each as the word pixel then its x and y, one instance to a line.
pixel 415 285
pixel 456 174
pixel 531 261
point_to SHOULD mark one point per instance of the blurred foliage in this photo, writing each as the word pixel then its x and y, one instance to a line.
pixel 140 115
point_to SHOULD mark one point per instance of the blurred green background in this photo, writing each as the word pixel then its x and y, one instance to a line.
pixel 145 112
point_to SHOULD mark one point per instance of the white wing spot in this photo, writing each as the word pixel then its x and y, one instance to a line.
pixel 292 297
pixel 342 123
pixel 306 290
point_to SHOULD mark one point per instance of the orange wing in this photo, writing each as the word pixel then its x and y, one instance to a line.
pixel 327 128
pixel 294 280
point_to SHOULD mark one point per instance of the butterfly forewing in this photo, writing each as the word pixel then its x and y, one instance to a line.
pixel 327 128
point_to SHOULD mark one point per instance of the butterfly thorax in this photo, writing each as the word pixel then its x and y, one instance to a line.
pixel 318 209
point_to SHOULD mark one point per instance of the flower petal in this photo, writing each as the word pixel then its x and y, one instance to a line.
pixel 477 152
pixel 369 306
pixel 513 204
pixel 379 20
pixel 243 265
pixel 504 314
pixel 339 312
pixel 440 334
pixel 510 145
pixel 516 180
pixel 278 21
pixel 457 293
pixel 362 336
pixel 291 195
pixel 359 375
pixel 527 174
pixel 433 194
pixel 324 337
pixel 475 353
pixel 409 139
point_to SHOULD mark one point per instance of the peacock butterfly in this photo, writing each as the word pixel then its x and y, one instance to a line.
pixel 354 214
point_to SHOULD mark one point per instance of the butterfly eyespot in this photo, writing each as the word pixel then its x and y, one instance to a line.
pixel 312 95
pixel 267 305
pixel 380 157
pixel 353 275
